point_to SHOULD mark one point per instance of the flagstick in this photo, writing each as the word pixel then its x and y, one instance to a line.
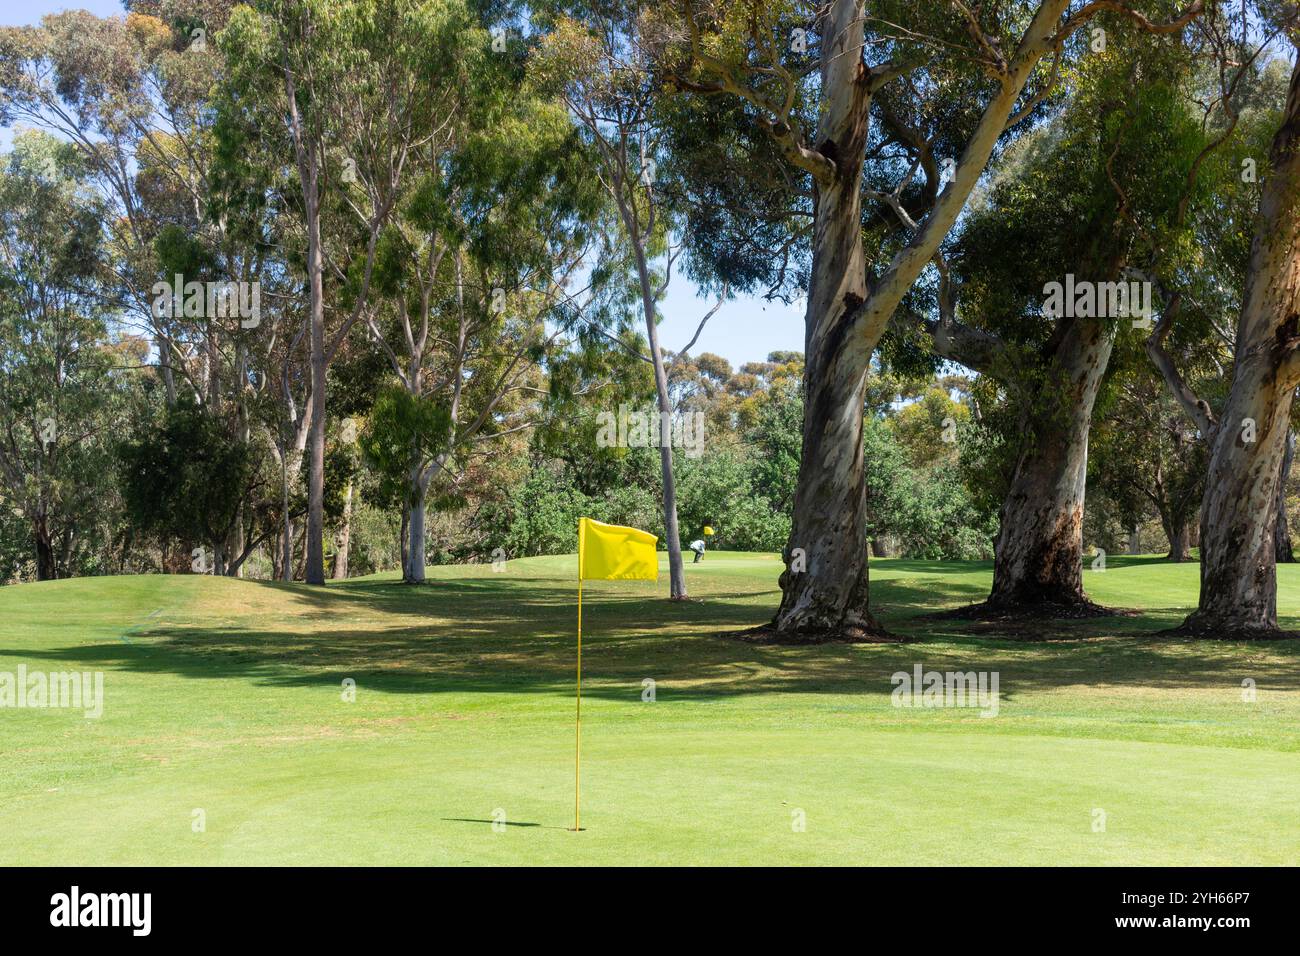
pixel 577 725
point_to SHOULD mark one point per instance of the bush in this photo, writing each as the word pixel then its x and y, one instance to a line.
pixel 929 512
pixel 719 490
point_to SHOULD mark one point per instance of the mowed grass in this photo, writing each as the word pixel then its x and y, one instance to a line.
pixel 225 696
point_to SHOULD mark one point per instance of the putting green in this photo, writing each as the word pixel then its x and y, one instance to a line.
pixel 226 697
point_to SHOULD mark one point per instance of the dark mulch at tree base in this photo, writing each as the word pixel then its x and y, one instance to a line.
pixel 1037 611
pixel 766 634
pixel 1040 621
pixel 1202 633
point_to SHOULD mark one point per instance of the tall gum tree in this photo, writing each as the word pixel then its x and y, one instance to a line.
pixel 134 95
pixel 1076 185
pixel 603 69
pixel 480 261
pixel 1249 436
pixel 736 50
pixel 336 76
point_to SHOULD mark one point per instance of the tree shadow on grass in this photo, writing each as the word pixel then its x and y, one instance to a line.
pixel 504 823
pixel 485 636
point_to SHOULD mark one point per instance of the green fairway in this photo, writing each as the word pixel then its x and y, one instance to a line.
pixel 225 696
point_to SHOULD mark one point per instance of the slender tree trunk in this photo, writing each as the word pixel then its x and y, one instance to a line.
pixel 402 537
pixel 1134 541
pixel 415 550
pixel 1038 556
pixel 213 367
pixel 300 548
pixel 1239 509
pixel 64 568
pixel 286 533
pixel 235 545
pixel 286 549
pixel 676 572
pixel 315 558
pixel 46 566
pixel 345 537
pixel 1282 528
pixel 305 151
pixel 163 344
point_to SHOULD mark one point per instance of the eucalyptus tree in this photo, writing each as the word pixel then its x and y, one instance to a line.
pixel 809 76
pixel 59 388
pixel 477 278
pixel 1146 456
pixel 488 234
pixel 599 61
pixel 335 85
pixel 133 95
pixel 1248 435
pixel 1238 579
pixel 1077 199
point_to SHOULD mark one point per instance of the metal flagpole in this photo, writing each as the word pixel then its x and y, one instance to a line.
pixel 577 724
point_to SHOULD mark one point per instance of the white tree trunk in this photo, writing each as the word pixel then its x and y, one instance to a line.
pixel 1238 553
pixel 676 572
pixel 413 572
pixel 415 545
pixel 824 586
pixel 345 537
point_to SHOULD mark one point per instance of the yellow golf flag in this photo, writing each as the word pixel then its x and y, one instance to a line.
pixel 610 552
pixel 607 552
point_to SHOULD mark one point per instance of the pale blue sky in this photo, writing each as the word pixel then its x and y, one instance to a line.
pixel 744 330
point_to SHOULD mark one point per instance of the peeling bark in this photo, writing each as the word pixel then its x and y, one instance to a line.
pixel 1038 555
pixel 1238 556
pixel 828 590
pixel 828 594
pixel 1239 510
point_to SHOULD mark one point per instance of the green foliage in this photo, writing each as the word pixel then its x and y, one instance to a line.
pixel 500 187
pixel 61 396
pixel 402 431
pixel 184 477
pixel 928 513
pixel 928 428
pixel 539 517
pixel 777 438
pixel 719 490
